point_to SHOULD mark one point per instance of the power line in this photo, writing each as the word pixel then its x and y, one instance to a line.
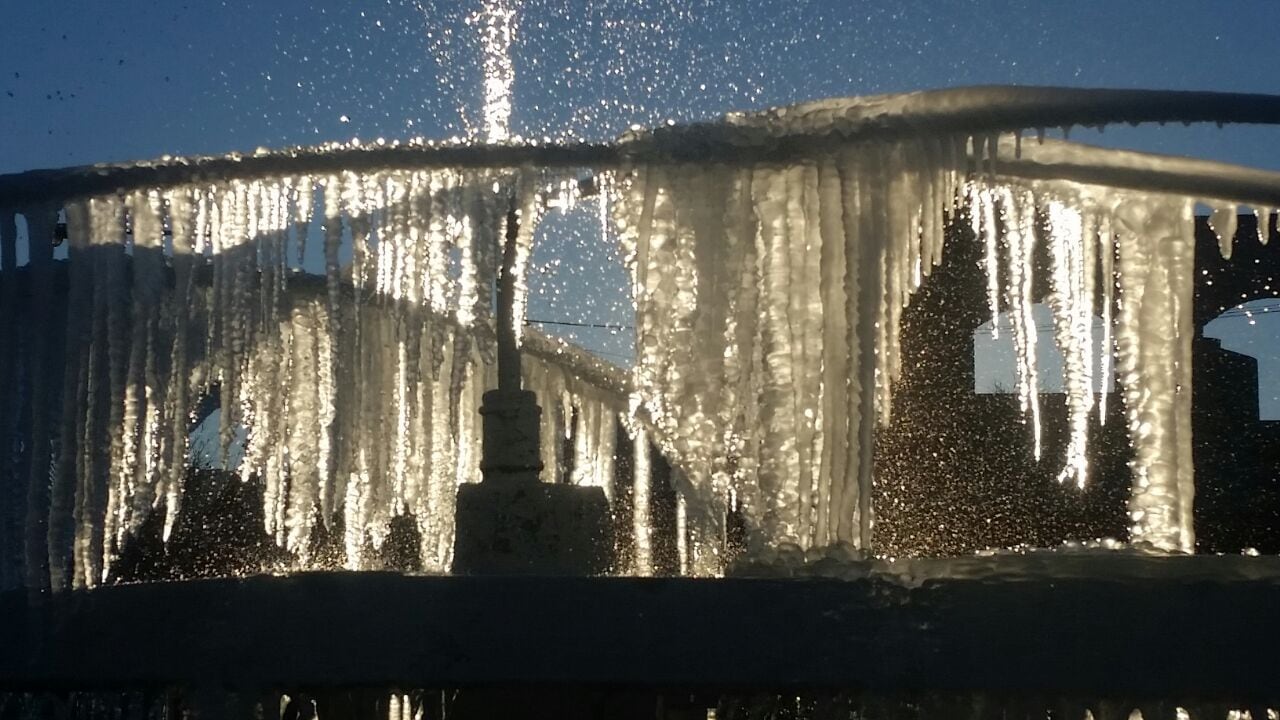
pixel 620 356
pixel 594 351
pixel 569 323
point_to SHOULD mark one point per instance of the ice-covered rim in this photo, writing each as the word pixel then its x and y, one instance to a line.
pixel 1030 159
pixel 771 135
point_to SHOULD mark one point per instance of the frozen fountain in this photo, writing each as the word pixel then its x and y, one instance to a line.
pixel 773 257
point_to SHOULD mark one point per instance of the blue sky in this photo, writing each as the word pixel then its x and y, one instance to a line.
pixel 84 81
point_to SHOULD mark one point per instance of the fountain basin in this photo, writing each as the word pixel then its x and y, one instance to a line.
pixel 1180 629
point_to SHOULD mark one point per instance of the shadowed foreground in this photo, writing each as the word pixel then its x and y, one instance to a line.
pixel 1157 628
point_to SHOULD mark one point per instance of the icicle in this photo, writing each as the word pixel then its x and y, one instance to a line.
pixel 833 469
pixel 850 497
pixel 604 196
pixel 740 359
pixel 232 310
pixel 443 232
pixel 551 432
pixel 417 490
pixel 403 408
pixel 1263 218
pixel 133 473
pixel 881 304
pixel 304 411
pixel 982 217
pixel 937 202
pixel 807 329
pixel 779 464
pixel 1107 256
pixel 606 439
pixel 1071 301
pixel 642 513
pixel 355 507
pixel 1154 333
pixel 328 334
pixel 1020 223
pixel 78 376
pixel 468 261
pixel 326 396
pixel 530 212
pixel 149 268
pixel 467 432
pixel 100 515
pixel 583 460
pixel 896 196
pixel 443 460
pixel 303 199
pixel 268 442
pixel 682 534
pixel 1223 223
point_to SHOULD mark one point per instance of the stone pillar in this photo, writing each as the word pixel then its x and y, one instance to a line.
pixel 511 414
pixel 510 523
pixel 511 422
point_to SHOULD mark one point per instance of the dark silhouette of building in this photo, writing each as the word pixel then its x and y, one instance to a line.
pixel 956 471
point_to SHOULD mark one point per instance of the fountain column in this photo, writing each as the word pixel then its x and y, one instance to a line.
pixel 512 523
pixel 511 414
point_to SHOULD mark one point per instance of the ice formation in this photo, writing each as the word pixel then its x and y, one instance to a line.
pixel 772 258
pixel 360 389
pixel 642 521
pixel 768 299
pixel 769 294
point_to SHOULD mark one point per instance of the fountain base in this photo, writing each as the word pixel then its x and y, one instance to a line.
pixel 1186 630
pixel 532 528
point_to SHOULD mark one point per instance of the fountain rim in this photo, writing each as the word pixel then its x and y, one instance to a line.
pixel 977 111
pixel 870 634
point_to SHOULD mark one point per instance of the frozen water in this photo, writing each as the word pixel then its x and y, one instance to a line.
pixel 360 390
pixel 769 295
pixel 735 334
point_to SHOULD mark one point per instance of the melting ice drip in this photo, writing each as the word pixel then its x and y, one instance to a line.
pixel 360 390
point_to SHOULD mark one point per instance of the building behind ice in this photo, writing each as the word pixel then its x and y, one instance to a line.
pixel 806 284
